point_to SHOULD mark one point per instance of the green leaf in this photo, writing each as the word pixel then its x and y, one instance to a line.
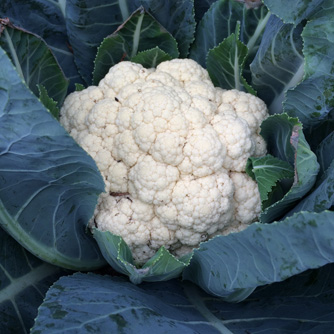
pixel 293 11
pixel 151 58
pixel 263 254
pixel 88 22
pixel 288 143
pixel 325 152
pixel 140 32
pixel 48 102
pixel 79 87
pixel 45 19
pixel 313 99
pixel 221 20
pixel 24 279
pixel 86 32
pixel 33 61
pixel 48 185
pixel 318 37
pixel 267 171
pixel 201 7
pixel 177 16
pixel 226 61
pixel 279 63
pixel 319 133
pixel 322 196
pixel 161 267
pixel 303 304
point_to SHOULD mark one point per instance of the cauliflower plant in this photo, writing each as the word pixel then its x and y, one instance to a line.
pixel 172 149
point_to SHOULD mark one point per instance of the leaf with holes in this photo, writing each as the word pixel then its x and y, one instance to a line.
pixel 304 303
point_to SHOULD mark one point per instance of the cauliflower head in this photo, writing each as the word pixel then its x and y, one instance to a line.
pixel 172 149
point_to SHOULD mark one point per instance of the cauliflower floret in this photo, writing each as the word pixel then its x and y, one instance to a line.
pixel 246 197
pixel 184 70
pixel 78 105
pixel 124 74
pixel 246 106
pixel 152 181
pixel 195 202
pixel 235 135
pixel 172 149
pixel 204 153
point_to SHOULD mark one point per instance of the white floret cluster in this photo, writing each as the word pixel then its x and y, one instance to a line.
pixel 172 149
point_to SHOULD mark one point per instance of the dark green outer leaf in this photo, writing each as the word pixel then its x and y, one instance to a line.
pixel 217 24
pixel 177 16
pixel 288 143
pixel 48 185
pixel 201 7
pixel 24 279
pixel 263 253
pixel 140 32
pixel 46 19
pixel 319 133
pixel 34 62
pixel 325 152
pixel 87 23
pixel 302 304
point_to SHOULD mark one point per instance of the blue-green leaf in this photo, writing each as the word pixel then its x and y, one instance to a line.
pixel 201 7
pixel 48 185
pixel 177 16
pixel 140 32
pixel 288 143
pixel 24 279
pixel 33 61
pixel 279 63
pixel 86 32
pixel 161 267
pixel 46 19
pixel 101 304
pixel 322 196
pixel 87 23
pixel 325 152
pixel 313 100
pixel 263 254
pixel 221 20
pixel 293 11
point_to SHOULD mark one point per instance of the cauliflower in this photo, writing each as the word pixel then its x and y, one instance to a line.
pixel 172 149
